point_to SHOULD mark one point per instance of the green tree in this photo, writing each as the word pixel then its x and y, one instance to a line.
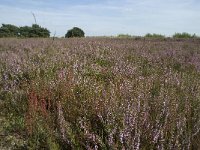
pixel 25 31
pixel 75 32
pixel 38 31
pixel 34 31
pixel 4 32
pixel 8 30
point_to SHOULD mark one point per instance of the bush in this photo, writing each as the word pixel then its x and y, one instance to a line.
pixel 75 32
pixel 154 35
pixel 183 35
pixel 124 36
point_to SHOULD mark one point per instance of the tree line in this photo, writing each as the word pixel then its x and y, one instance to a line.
pixel 154 35
pixel 9 30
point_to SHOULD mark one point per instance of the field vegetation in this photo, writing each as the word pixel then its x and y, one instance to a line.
pixel 99 93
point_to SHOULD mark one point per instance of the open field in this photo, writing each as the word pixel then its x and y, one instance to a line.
pixel 99 93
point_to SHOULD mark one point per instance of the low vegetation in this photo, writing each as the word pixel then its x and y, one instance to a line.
pixel 124 36
pixel 99 93
pixel 184 35
pixel 154 35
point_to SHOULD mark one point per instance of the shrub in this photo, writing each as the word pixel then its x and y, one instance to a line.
pixel 75 32
pixel 183 35
pixel 124 36
pixel 154 35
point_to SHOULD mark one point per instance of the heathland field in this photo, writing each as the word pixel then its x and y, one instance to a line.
pixel 100 93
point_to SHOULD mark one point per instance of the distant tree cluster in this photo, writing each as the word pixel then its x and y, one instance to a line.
pixel 8 30
pixel 159 36
pixel 184 35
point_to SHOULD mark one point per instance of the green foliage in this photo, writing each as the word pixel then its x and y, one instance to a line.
pixel 75 32
pixel 124 36
pixel 34 31
pixel 154 35
pixel 8 30
pixel 184 35
pixel 25 31
pixel 103 62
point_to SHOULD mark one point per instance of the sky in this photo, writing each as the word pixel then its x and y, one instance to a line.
pixel 105 17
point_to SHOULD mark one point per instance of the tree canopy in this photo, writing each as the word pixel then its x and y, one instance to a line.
pixel 8 30
pixel 75 32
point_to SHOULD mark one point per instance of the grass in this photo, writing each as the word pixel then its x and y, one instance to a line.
pixel 99 93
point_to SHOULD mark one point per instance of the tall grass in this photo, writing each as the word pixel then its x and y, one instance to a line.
pixel 99 94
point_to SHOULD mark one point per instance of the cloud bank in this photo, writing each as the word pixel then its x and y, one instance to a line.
pixel 106 17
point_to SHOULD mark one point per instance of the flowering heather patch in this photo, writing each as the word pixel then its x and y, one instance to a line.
pixel 99 93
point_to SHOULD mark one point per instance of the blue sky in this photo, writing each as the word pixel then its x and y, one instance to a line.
pixel 105 17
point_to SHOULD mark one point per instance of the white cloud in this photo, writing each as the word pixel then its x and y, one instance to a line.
pixel 109 17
